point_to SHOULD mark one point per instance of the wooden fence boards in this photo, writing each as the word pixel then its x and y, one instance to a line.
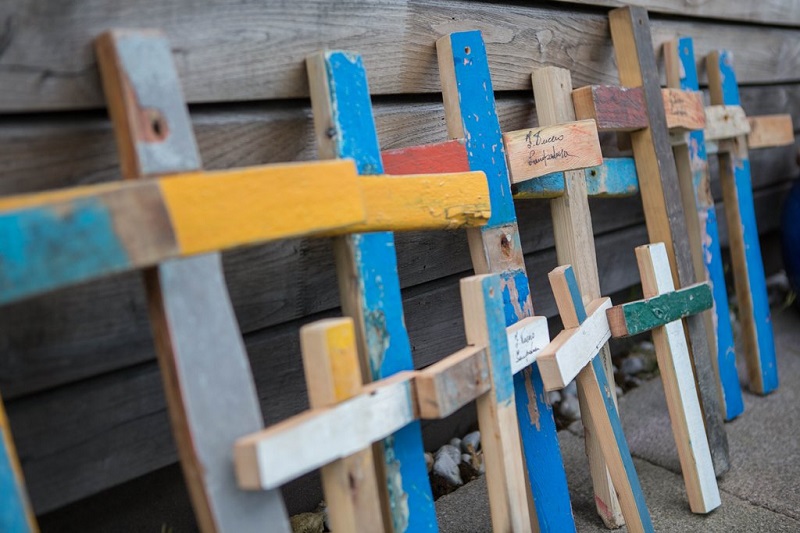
pixel 220 47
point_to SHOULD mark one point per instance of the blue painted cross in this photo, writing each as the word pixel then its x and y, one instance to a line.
pixel 693 172
pixel 369 283
pixel 748 267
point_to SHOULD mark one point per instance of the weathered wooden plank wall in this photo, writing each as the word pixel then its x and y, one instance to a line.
pixel 78 367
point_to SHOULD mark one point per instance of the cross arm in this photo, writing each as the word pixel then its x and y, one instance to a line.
pixel 633 318
pixel 121 226
pixel 562 359
pixel 623 108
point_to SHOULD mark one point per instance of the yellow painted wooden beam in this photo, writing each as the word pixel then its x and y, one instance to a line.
pixel 62 237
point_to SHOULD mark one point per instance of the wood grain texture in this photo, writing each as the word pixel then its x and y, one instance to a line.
pixel 616 177
pixel 333 375
pixel 600 400
pixel 452 382
pixel 556 148
pixel 684 109
pixel 257 54
pixel 769 12
pixel 485 325
pixel 695 183
pixel 571 350
pixel 633 318
pixel 470 113
pixel 446 156
pixel 190 310
pixel 369 287
pixel 662 200
pixel 770 130
pixel 574 240
pixel 273 456
pixel 725 122
pixel 675 367
pixel 748 268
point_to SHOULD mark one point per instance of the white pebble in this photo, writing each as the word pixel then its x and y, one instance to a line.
pixel 569 408
pixel 452 451
pixel 471 440
pixel 445 467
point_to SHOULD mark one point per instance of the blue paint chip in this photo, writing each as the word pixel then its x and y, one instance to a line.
pixel 43 249
pixel 484 140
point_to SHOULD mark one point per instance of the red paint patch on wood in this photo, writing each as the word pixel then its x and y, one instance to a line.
pixel 448 156
pixel 614 108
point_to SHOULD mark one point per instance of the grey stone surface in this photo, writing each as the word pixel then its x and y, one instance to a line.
pixel 759 493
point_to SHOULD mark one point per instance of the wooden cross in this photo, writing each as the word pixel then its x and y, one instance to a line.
pixel 661 311
pixel 369 285
pixel 737 193
pixel 575 353
pixel 695 183
pixel 658 183
pixel 480 372
pixel 472 123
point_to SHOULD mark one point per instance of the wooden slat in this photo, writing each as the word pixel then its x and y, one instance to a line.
pixel 695 182
pixel 369 287
pixel 562 360
pixel 574 240
pixel 633 318
pixel 616 177
pixel 539 151
pixel 484 324
pixel 662 200
pixel 770 130
pixel 758 11
pixel 675 368
pixel 333 375
pixel 600 401
pixel 496 248
pixel 39 74
pixel 16 514
pixel 285 451
pixel 623 108
pixel 725 122
pixel 447 156
pixel 451 383
pixel 203 362
pixel 748 268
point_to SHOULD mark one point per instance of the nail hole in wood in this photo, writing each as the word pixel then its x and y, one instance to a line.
pixel 467 50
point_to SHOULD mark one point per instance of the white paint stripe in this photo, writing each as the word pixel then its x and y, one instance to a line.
pixel 562 360
pixel 317 437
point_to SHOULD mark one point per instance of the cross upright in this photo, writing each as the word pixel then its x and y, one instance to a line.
pixel 737 193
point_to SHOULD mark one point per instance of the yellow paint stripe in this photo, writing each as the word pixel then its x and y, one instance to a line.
pixel 417 202
pixel 218 210
pixel 22 201
pixel 340 338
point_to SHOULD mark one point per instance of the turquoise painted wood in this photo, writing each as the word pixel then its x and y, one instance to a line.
pixel 751 243
pixel 616 177
pixel 712 255
pixel 611 408
pixel 380 301
pixel 485 152
pixel 85 242
pixel 16 515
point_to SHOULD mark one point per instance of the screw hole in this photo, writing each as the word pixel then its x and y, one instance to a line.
pixel 593 173
pixel 467 50
pixel 155 124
